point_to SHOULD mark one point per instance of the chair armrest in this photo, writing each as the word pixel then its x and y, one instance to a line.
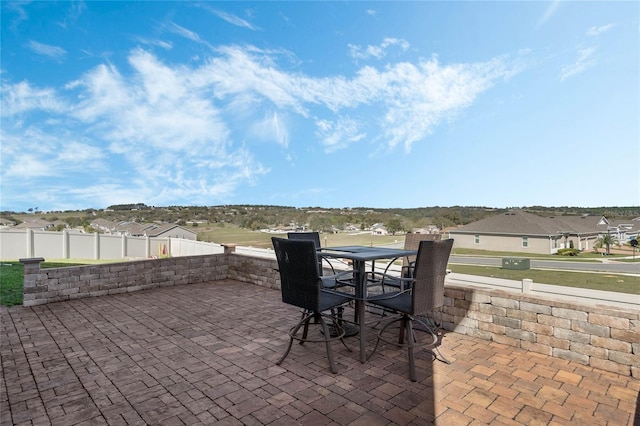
pixel 391 295
pixel 390 280
pixel 328 290
pixel 341 279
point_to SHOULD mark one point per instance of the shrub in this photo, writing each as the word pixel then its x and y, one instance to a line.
pixel 568 252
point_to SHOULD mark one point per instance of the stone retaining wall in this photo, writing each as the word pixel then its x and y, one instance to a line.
pixel 601 337
pixel 59 284
pixel 598 336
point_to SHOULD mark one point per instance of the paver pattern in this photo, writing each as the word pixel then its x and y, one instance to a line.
pixel 205 354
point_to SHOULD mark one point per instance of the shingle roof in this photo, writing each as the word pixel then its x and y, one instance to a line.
pixel 522 223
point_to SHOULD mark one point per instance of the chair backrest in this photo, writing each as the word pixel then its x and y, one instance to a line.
pixel 299 278
pixel 430 272
pixel 310 236
pixel 412 242
pixel 313 236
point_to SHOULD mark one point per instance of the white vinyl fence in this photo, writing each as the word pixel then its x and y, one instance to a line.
pixel 20 244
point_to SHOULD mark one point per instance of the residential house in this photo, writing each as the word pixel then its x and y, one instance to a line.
pixel 170 230
pixel 431 229
pixel 379 229
pixel 36 225
pixel 520 231
pixel 135 229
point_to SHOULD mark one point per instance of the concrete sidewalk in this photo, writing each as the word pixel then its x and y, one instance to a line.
pixel 205 354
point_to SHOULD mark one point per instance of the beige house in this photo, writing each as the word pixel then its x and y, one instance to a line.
pixel 135 229
pixel 519 231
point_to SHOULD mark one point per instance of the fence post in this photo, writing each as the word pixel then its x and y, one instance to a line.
pixel 30 248
pixel 527 283
pixel 147 248
pixel 123 253
pixel 65 244
pixel 96 246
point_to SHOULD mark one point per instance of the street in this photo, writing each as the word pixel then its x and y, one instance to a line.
pixel 617 267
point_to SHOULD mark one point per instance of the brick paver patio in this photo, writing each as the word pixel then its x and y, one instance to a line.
pixel 205 354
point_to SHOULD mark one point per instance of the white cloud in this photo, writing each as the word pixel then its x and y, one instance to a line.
pixel 338 134
pixel 583 62
pixel 54 52
pixel 377 52
pixel 160 43
pixel 22 97
pixel 174 133
pixel 271 128
pixel 232 19
pixel 174 28
pixel 595 31
pixel 548 12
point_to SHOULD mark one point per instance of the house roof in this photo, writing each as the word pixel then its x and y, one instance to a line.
pixel 520 222
pixel 34 224
pixel 160 229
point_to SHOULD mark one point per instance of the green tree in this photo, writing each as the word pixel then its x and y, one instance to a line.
pixel 394 225
pixel 606 241
pixel 320 223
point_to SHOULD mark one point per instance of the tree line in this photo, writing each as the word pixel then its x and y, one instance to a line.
pixel 256 217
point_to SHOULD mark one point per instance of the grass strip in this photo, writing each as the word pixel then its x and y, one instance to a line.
pixel 590 280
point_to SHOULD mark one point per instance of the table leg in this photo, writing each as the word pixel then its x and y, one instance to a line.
pixel 361 293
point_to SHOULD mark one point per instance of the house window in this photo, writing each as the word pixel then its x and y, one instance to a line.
pixel 477 239
pixel 525 241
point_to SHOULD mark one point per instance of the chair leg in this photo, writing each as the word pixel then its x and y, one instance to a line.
pixel 305 331
pixel 434 333
pixel 325 330
pixel 337 324
pixel 304 321
pixel 403 327
pixel 410 343
pixel 318 319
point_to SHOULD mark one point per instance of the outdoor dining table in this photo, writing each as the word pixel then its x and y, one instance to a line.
pixel 360 255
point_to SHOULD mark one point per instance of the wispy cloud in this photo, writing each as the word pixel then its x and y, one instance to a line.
pixel 21 98
pixel 155 42
pixel 379 51
pixel 583 62
pixel 54 52
pixel 230 18
pixel 338 134
pixel 549 12
pixel 196 126
pixel 76 9
pixel 183 32
pixel 595 31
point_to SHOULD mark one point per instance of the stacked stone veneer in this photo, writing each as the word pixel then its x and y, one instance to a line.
pixel 60 284
pixel 601 337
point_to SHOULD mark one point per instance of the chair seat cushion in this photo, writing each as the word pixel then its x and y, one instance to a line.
pixel 400 302
pixel 331 300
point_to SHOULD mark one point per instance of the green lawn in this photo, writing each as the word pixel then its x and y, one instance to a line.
pixel 12 278
pixel 593 281
pixel 244 237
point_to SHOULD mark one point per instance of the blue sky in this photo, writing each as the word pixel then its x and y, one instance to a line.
pixel 331 104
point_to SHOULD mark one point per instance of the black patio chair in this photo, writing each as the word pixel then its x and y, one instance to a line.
pixel 302 286
pixel 416 300
pixel 340 279
pixel 411 242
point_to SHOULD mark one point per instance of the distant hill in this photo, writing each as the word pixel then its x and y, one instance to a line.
pixel 263 216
